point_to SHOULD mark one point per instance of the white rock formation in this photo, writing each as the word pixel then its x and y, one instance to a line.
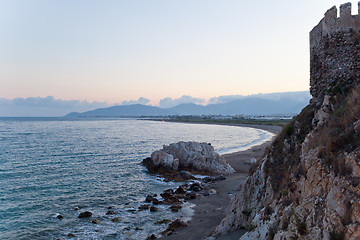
pixel 191 155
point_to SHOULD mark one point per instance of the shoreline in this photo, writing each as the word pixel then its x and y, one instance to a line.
pixel 210 210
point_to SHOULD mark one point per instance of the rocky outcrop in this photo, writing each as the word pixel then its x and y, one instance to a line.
pixel 307 183
pixel 191 156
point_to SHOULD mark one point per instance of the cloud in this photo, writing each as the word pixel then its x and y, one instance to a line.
pixel 225 99
pixel 300 96
pixel 169 102
pixel 141 100
pixel 47 106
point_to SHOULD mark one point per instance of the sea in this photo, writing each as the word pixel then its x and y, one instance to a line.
pixel 59 166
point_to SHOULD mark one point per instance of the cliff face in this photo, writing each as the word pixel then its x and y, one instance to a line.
pixel 307 183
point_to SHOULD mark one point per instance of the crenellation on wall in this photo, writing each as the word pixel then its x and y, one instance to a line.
pixel 331 14
pixel 345 10
pixel 335 52
pixel 331 23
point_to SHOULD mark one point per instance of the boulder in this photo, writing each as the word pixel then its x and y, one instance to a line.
pixel 144 207
pixel 85 214
pixel 173 226
pixel 153 209
pixel 192 156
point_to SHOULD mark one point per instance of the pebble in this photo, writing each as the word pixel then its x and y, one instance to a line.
pixel 85 214
pixel 116 219
pixel 144 207
pixel 153 209
pixel 95 221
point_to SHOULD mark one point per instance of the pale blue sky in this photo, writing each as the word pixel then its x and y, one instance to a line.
pixel 122 50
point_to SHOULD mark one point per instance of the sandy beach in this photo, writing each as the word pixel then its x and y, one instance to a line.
pixel 210 210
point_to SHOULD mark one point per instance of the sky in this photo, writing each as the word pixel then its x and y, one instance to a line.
pixel 148 51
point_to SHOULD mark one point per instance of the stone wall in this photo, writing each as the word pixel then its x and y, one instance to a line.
pixel 335 52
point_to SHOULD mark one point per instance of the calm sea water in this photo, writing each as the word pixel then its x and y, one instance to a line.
pixel 52 166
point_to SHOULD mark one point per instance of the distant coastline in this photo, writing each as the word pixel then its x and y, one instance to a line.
pixel 270 125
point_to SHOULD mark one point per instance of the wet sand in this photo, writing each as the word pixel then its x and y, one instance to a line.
pixel 210 210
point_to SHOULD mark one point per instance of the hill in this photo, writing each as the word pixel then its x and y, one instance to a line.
pixel 265 104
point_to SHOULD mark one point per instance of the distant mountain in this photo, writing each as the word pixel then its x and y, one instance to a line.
pixel 260 104
pixel 135 110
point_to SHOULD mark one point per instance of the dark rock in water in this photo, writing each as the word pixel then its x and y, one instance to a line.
pixel 153 209
pixel 110 207
pixel 196 187
pixel 156 201
pixel 138 229
pixel 71 235
pixel 116 219
pixel 59 216
pixel 190 196
pixel 167 193
pixel 152 237
pixel 175 208
pixel 149 199
pixel 173 226
pixel 110 213
pixel 95 221
pixel 152 198
pixel 149 164
pixel 219 178
pixel 177 224
pixel 85 214
pixel 163 221
pixel 180 190
pixel 76 208
pixel 171 199
pixel 144 207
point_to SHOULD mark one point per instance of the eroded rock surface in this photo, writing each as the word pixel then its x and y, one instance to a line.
pixel 191 156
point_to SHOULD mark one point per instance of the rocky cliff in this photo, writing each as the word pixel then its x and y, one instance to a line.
pixel 307 183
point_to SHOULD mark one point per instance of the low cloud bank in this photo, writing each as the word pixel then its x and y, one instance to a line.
pixel 44 107
pixel 300 96
pixel 170 102
pixel 141 100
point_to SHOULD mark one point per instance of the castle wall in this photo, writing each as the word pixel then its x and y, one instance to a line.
pixel 335 52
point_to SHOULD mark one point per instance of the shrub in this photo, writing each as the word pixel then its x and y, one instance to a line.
pixel 246 212
pixel 284 192
pixel 289 129
pixel 338 135
pixel 249 226
pixel 337 235
pixel 300 224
